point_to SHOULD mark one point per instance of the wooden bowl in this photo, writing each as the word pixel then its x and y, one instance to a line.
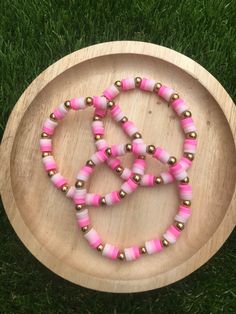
pixel 45 220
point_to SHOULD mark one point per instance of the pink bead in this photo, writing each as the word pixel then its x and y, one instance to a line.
pixel 139 166
pixel 78 103
pixel 116 113
pixel 100 112
pixel 111 92
pixel 178 171
pixel 79 196
pixel 126 174
pixel 110 251
pixel 100 102
pixel 99 157
pixel 161 155
pixel 171 234
pixel 147 85
pixel 153 246
pixel 101 144
pixel 60 112
pixel 129 128
pixel 93 238
pixel 98 127
pixel 118 150
pixel 113 163
pixel 138 147
pixel 129 186
pixel 132 253
pixel 84 173
pixel 185 191
pixel 70 193
pixel 83 218
pixel 185 163
pixel 45 145
pixel 128 83
pixel 93 199
pixel 190 146
pixel 49 163
pixel 183 214
pixel 179 106
pixel 147 180
pixel 165 92
pixel 49 126
pixel 58 180
pixel 112 198
pixel 188 125
pixel 167 177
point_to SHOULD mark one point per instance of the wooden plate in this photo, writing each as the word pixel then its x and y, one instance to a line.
pixel 45 220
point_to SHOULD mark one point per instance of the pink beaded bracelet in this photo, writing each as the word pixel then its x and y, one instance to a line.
pixel 133 252
pixel 131 177
pixel 177 169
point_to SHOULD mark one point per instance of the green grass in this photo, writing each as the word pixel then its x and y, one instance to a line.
pixel 33 35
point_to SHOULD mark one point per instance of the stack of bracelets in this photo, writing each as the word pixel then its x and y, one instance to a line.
pixel 132 178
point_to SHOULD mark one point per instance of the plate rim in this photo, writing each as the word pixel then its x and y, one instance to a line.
pixel 201 256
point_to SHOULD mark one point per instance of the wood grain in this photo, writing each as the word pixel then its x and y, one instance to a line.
pixel 45 221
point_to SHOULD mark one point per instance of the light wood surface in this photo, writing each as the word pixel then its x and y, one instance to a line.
pixel 45 220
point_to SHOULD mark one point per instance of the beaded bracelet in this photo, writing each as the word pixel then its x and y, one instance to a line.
pixel 98 157
pixel 134 252
pixel 137 146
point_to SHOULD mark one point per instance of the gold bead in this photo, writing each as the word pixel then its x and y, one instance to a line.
pixel 158 180
pixel 190 156
pixel 89 101
pixel 174 97
pixel 142 157
pixel 103 201
pixel 136 178
pixel 128 148
pixel 137 135
pixel 172 160
pixel 186 203
pixel 67 104
pixel 121 256
pixel 45 135
pixel 78 206
pixel 165 243
pixel 122 194
pixel 96 118
pixel 124 119
pixel 191 135
pixel 79 184
pixel 108 151
pixel 110 104
pixel 90 163
pixel 180 225
pixel 46 154
pixel 84 229
pixel 97 137
pixel 143 250
pixel 185 180
pixel 151 149
pixel 51 173
pixel 119 169
pixel 100 248
pixel 65 188
pixel 186 114
pixel 53 117
pixel 138 81
pixel 118 84
pixel 157 87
